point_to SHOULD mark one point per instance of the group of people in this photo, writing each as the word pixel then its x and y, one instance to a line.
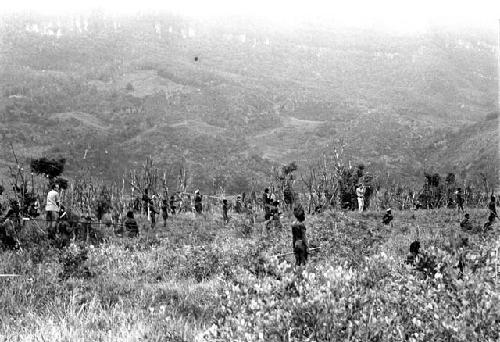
pixel 468 225
pixel 64 225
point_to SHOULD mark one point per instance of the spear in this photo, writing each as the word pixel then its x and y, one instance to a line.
pixel 290 253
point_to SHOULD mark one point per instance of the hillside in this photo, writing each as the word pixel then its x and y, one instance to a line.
pixel 253 97
pixel 472 149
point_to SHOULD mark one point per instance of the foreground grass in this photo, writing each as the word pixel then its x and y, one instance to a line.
pixel 197 280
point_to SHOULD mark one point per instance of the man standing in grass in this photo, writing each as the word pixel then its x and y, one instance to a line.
pixel 360 193
pixel 164 210
pixel 460 199
pixel 52 210
pixel 492 207
pixel 198 205
pixel 225 218
pixel 266 201
pixel 299 240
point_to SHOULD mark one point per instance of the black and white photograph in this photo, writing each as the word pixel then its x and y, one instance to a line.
pixel 239 171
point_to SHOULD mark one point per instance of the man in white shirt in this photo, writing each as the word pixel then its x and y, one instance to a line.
pixel 360 193
pixel 52 210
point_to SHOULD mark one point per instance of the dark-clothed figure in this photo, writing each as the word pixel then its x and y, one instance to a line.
pixel 198 202
pixel 266 202
pixel 8 225
pixel 299 240
pixel 237 207
pixel 492 207
pixel 492 215
pixel 225 218
pixel 164 211
pixel 412 257
pixel 460 199
pixel 116 220
pixel 100 211
pixel 85 228
pixel 131 226
pixel 13 214
pixel 274 221
pixel 64 228
pixel 152 211
pixel 466 224
pixel 172 204
pixel 387 217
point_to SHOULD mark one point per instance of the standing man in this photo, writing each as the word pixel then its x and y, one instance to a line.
pixel 52 210
pixel 460 199
pixel 172 204
pixel 164 210
pixel 225 218
pixel 299 240
pixel 266 202
pixel 492 207
pixel 237 207
pixel 198 202
pixel 360 193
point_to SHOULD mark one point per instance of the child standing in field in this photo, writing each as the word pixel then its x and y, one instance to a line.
pixel 299 241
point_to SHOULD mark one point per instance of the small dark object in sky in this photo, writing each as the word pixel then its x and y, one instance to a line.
pixel 196 59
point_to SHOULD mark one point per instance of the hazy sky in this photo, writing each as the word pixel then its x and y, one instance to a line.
pixel 400 14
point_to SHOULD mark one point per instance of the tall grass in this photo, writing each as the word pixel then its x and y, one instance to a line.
pixel 200 280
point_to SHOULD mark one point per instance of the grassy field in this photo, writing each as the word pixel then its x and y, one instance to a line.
pixel 198 280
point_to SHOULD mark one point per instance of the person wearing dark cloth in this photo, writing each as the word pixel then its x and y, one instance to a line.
pixel 8 225
pixel 164 211
pixel 131 225
pixel 299 240
pixel 460 199
pixel 412 257
pixel 152 211
pixel 266 201
pixel 493 214
pixel 100 212
pixel 492 207
pixel 64 228
pixel 33 209
pixel 85 230
pixel 274 220
pixel 387 217
pixel 225 218
pixel 7 238
pixel 489 223
pixel 172 204
pixel 13 214
pixel 198 202
pixel 466 224
pixel 237 207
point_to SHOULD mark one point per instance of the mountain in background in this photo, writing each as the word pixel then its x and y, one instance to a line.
pixel 230 100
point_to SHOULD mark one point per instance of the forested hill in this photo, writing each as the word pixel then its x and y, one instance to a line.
pixel 232 99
